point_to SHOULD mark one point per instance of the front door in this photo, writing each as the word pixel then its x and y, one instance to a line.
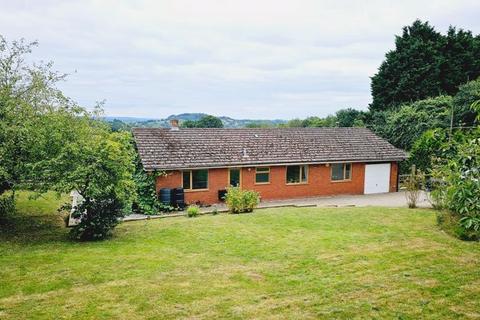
pixel 234 177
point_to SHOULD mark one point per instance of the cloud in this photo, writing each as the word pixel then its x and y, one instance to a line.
pixel 247 59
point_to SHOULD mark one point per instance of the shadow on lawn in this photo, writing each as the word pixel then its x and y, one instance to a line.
pixel 33 229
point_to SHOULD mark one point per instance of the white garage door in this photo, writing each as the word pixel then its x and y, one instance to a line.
pixel 377 178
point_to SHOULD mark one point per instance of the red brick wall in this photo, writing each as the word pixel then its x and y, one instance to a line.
pixel 319 183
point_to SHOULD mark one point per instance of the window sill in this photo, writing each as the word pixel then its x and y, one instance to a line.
pixel 194 190
pixel 340 181
pixel 261 183
pixel 296 183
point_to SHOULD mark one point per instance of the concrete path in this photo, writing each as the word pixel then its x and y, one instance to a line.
pixel 393 199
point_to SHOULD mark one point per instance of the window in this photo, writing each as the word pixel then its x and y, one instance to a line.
pixel 262 175
pixel 234 177
pixel 297 174
pixel 195 179
pixel 341 171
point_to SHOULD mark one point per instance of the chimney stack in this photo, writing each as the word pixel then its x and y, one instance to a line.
pixel 174 124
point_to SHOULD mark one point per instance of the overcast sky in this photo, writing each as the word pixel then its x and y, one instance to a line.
pixel 244 59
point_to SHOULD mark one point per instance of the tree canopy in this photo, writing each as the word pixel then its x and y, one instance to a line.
pixel 425 64
pixel 207 121
pixel 48 142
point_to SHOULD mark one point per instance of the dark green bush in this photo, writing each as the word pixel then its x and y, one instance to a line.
pixel 98 217
pixel 7 204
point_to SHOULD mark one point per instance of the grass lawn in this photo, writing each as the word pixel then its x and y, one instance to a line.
pixel 271 264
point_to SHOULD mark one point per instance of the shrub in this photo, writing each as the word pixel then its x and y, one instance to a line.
pixel 239 200
pixel 193 211
pixel 413 185
pixel 98 218
pixel 250 200
pixel 461 175
pixel 7 204
pixel 437 194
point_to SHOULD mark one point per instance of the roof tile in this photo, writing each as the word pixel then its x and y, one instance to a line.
pixel 164 149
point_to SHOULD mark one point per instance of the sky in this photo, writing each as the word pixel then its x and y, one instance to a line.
pixel 244 59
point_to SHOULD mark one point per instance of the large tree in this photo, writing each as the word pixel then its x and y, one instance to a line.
pixel 425 64
pixel 48 142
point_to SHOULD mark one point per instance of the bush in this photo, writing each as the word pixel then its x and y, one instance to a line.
pixel 7 204
pixel 193 211
pixel 413 185
pixel 239 200
pixel 98 218
pixel 461 176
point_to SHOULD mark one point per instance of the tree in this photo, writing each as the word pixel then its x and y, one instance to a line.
pixel 467 94
pixel 425 64
pixel 404 125
pixel 99 165
pixel 209 122
pixel 29 99
pixel 47 142
pixel 189 124
pixel 349 118
pixel 461 63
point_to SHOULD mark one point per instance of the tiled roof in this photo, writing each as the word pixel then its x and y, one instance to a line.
pixel 164 149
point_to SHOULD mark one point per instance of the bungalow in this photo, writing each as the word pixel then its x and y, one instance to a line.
pixel 279 163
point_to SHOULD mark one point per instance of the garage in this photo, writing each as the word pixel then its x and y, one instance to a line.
pixel 377 178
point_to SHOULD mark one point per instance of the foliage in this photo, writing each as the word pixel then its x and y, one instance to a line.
pixel 119 125
pixel 146 200
pixel 98 217
pixel 100 167
pixel 250 200
pixel 29 100
pixel 350 118
pixel 413 185
pixel 47 142
pixel 425 64
pixel 461 177
pixel 343 118
pixel 207 121
pixel 193 211
pixel 239 200
pixel 7 204
pixel 404 125
pixel 437 144
pixel 464 114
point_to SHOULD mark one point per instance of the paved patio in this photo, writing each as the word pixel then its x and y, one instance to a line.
pixel 394 199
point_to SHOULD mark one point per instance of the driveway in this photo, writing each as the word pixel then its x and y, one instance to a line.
pixel 392 199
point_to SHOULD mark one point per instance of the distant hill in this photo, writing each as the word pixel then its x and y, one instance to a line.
pixel 165 123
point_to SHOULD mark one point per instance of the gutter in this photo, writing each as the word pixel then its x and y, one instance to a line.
pixel 269 164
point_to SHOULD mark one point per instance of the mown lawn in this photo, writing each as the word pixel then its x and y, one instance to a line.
pixel 272 264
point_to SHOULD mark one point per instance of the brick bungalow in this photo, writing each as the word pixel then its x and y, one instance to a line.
pixel 279 163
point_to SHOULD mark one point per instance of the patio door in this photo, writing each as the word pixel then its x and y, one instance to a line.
pixel 235 177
